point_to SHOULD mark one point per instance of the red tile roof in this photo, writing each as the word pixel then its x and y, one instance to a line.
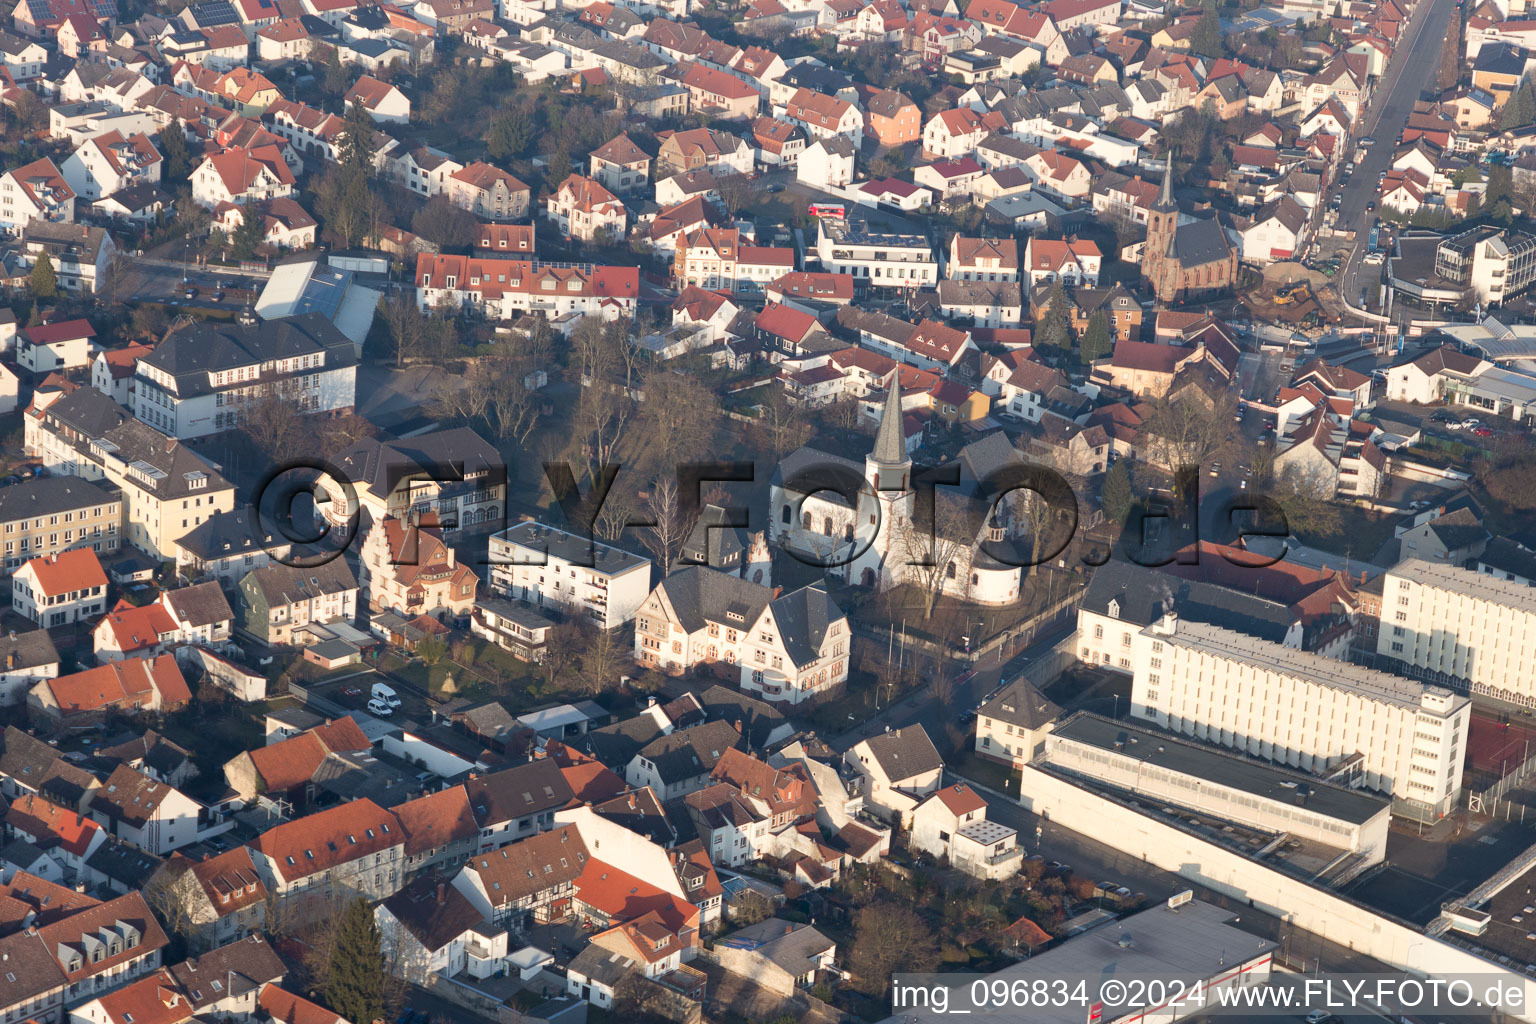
pixel 623 897
pixel 436 819
pixel 68 571
pixel 961 799
pixel 41 818
pixel 141 681
pixel 328 838
pixel 287 1008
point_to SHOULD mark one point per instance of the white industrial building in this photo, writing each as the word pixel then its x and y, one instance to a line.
pixel 1236 789
pixel 1467 629
pixel 549 568
pixel 1183 941
pixel 1303 710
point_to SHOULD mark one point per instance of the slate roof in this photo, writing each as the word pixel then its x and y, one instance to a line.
pixel 433 911
pixel 531 865
pixel 518 792
pixel 1144 594
pixel 699 595
pixel 690 752
pixel 30 650
pixel 904 753
pixel 803 618
pixel 1020 704
pixel 201 604
pixel 49 495
pixel 191 354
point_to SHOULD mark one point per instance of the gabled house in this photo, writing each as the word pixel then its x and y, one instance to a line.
pixel 583 209
pixel 408 569
pixel 902 768
pixel 241 176
pixel 35 191
pixel 60 589
pixel 385 103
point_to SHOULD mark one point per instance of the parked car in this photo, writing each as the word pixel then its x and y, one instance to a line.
pixel 352 691
pixel 379 708
pixel 1482 432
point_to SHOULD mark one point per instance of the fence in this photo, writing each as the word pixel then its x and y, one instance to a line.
pixel 1487 801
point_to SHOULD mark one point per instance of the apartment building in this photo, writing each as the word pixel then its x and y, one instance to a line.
pixel 80 952
pixel 714 259
pixel 167 488
pixel 204 378
pixel 43 516
pixel 1303 710
pixel 1465 629
pixel 1493 263
pixel 878 259
pixel 226 899
pixel 549 568
pixel 278 602
pixel 506 289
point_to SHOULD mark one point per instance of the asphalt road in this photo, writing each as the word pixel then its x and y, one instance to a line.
pixel 921 707
pixel 1408 73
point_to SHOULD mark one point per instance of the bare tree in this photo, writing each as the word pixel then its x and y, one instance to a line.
pixel 175 894
pixel 671 524
pixel 934 550
pixel 676 421
pixel 606 365
pixel 1184 430
pixel 890 937
pixel 603 660
pixel 781 426
pixel 274 425
pixel 616 513
pixel 405 323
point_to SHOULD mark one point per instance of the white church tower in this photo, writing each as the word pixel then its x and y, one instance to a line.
pixel 888 474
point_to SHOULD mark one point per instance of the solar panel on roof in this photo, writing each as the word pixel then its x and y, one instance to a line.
pixel 215 12
pixel 40 10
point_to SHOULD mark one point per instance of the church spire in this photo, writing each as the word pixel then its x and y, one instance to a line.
pixel 1165 198
pixel 890 442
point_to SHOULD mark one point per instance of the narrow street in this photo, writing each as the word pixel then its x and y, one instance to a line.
pixel 1410 71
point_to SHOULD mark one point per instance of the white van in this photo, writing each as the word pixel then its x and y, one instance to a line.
pixel 385 695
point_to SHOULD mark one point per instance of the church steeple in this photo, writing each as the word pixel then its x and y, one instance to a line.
pixel 887 464
pixel 1165 201
pixel 890 446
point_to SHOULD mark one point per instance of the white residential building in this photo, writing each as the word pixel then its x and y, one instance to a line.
pixel 549 568
pixel 111 162
pixel 203 378
pixel 788 648
pixel 878 259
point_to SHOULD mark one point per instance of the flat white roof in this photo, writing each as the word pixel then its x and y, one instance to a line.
pixel 1195 943
pixel 557 717
pixel 1287 661
pixel 1476 585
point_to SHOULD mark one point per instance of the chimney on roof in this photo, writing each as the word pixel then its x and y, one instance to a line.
pixel 737 723
pixel 442 893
